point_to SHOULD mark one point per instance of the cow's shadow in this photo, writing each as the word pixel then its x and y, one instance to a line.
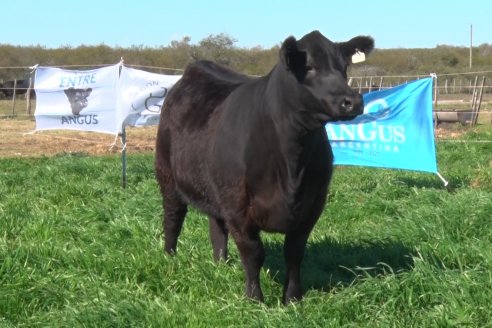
pixel 328 264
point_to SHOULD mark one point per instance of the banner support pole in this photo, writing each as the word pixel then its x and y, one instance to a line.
pixel 123 158
pixel 446 183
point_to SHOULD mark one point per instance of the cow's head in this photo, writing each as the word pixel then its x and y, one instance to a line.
pixel 320 66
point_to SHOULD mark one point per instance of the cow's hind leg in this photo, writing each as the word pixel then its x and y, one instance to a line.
pixel 252 257
pixel 174 213
pixel 218 236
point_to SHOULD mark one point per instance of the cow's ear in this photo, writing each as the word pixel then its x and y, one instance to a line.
pixel 363 44
pixel 294 59
pixel 69 91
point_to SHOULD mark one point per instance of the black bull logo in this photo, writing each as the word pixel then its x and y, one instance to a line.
pixel 78 99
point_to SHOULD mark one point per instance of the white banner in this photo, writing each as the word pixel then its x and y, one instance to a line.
pixel 141 96
pixel 77 99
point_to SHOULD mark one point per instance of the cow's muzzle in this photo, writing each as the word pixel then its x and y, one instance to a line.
pixel 351 106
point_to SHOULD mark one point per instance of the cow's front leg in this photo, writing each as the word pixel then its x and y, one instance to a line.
pixel 218 237
pixel 294 247
pixel 252 257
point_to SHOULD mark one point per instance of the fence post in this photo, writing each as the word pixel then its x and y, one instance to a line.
pixel 474 93
pixel 28 97
pixel 435 92
pixel 13 97
pixel 478 103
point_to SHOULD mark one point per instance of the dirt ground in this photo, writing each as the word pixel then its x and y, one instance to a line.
pixel 17 139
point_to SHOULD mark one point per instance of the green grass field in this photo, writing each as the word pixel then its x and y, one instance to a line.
pixel 392 249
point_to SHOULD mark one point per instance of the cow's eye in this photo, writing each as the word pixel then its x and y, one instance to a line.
pixel 309 68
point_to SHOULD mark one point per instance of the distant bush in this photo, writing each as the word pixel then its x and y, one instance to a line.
pixel 254 61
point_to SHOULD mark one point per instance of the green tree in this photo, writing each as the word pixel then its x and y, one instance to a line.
pixel 181 52
pixel 218 48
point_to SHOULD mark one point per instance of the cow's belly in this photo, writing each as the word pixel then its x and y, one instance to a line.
pixel 283 214
pixel 193 180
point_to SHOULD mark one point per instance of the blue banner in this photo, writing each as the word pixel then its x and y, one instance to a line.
pixel 395 131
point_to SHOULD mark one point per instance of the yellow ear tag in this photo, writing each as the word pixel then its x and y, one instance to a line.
pixel 358 57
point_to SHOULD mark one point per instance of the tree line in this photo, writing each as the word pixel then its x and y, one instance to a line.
pixel 222 48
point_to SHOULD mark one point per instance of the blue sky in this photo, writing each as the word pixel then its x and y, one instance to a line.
pixel 265 23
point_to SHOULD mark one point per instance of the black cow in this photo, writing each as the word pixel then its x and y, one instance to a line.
pixel 21 87
pixel 253 153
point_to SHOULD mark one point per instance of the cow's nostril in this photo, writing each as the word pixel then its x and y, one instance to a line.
pixel 348 104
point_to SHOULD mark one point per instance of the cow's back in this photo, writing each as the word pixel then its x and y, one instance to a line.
pixel 204 86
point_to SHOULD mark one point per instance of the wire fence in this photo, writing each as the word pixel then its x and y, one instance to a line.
pixel 465 93
pixel 457 83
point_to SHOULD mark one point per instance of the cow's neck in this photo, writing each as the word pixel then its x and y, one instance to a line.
pixel 296 127
pixel 293 108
